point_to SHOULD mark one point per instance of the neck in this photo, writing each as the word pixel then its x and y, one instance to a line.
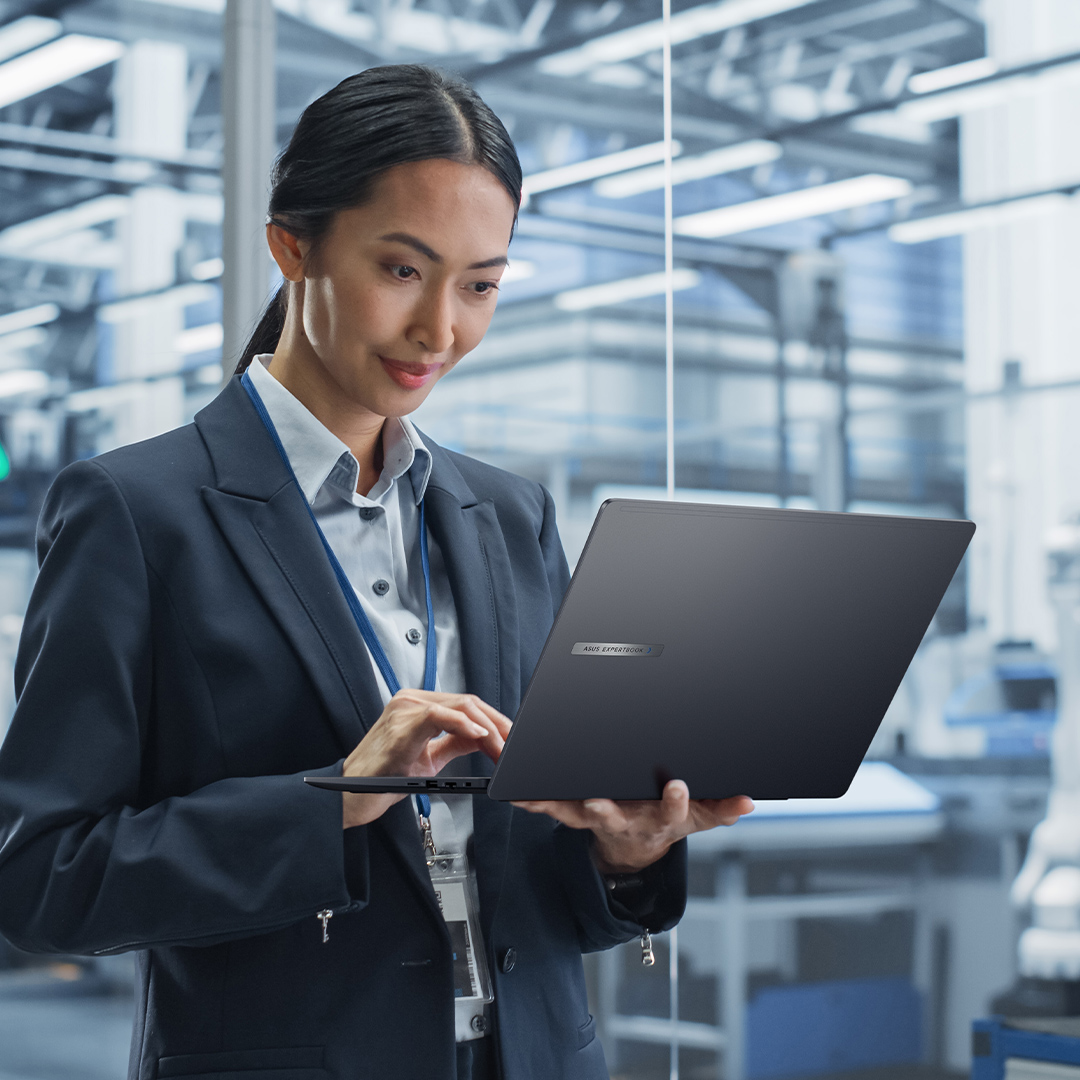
pixel 358 428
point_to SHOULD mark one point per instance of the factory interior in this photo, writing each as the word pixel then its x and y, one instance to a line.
pixel 873 309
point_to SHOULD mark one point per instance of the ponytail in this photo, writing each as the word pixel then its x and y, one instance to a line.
pixel 268 333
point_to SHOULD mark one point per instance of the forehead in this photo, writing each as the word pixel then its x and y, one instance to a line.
pixel 461 211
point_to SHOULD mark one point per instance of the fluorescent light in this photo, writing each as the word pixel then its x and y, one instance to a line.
pixel 22 381
pixel 85 247
pixel 26 33
pixel 518 270
pixel 199 339
pixel 53 64
pixel 19 238
pixel 22 340
pixel 208 269
pixel 744 155
pixel 591 168
pixel 649 37
pixel 978 217
pixel 22 320
pixel 954 75
pixel 180 296
pixel 793 206
pixel 969 98
pixel 616 292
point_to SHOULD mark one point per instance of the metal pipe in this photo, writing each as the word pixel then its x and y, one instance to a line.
pixel 249 93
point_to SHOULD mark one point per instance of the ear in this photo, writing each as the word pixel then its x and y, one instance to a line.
pixel 288 252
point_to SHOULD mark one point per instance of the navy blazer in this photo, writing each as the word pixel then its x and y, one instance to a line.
pixel 187 657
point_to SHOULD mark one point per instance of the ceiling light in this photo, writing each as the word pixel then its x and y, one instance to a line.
pixel 208 269
pixel 21 341
pixel 22 320
pixel 25 235
pixel 198 339
pixel 22 381
pixel 977 217
pixel 793 206
pixel 965 98
pixel 84 247
pixel 179 296
pixel 616 292
pixel 518 270
pixel 591 168
pixel 649 37
pixel 26 33
pixel 55 63
pixel 954 75
pixel 744 155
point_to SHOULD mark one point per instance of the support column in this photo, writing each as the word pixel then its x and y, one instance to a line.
pixel 249 97
pixel 1020 285
pixel 150 94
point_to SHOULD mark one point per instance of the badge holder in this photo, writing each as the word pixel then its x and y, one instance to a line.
pixel 455 891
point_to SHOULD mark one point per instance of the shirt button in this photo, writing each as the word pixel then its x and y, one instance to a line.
pixel 413 636
pixel 509 959
pixel 368 512
pixel 381 588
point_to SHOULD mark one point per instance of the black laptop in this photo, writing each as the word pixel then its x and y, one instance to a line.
pixel 745 650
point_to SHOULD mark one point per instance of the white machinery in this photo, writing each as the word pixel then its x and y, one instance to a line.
pixel 1049 881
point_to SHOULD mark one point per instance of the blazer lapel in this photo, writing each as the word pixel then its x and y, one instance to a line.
pixel 263 518
pixel 478 565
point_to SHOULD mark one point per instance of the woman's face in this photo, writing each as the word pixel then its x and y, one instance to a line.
pixel 401 287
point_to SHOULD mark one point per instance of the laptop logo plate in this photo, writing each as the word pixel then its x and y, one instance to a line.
pixel 614 648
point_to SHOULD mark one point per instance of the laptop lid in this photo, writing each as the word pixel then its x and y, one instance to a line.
pixel 747 651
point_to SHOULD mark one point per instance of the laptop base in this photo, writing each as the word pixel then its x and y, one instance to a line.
pixel 402 785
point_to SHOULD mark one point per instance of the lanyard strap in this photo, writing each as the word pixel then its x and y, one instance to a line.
pixel 363 623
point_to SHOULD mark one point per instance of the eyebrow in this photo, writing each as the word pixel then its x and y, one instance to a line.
pixel 434 256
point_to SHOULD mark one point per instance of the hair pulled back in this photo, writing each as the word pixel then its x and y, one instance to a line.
pixel 348 138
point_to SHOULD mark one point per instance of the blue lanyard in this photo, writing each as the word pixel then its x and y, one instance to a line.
pixel 363 623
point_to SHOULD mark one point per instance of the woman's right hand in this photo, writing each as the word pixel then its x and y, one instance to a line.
pixel 418 734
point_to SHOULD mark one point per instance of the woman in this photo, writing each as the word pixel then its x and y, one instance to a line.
pixel 192 650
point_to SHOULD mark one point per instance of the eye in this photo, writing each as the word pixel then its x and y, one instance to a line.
pixel 482 288
pixel 403 273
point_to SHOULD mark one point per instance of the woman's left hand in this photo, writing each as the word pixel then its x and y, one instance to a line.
pixel 628 836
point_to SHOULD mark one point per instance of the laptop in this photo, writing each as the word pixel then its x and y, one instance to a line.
pixel 744 650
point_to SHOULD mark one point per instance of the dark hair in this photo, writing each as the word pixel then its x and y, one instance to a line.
pixel 369 123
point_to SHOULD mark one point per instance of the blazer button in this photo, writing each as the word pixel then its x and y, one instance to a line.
pixel 413 636
pixel 509 959
pixel 381 587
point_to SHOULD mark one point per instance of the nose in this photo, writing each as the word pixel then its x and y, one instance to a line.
pixel 432 326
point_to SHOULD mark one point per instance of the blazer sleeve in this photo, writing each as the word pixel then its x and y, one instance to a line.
pixel 87 865
pixel 602 921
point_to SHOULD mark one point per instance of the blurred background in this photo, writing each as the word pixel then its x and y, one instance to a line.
pixel 876 310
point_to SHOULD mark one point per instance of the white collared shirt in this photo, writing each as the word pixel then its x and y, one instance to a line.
pixel 375 536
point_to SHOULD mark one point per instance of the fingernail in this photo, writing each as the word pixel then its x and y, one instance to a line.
pixel 592 804
pixel 479 731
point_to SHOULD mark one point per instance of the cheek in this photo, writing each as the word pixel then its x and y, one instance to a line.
pixel 472 325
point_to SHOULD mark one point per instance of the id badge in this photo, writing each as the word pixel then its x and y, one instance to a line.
pixel 455 891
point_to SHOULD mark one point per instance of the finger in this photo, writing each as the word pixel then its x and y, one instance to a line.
pixel 674 804
pixel 568 812
pixel 606 814
pixel 713 812
pixel 453 721
pixel 471 706
pixel 502 723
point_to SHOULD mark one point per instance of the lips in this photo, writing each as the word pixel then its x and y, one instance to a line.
pixel 409 375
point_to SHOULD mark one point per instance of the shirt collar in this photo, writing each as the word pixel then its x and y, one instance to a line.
pixel 318 457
